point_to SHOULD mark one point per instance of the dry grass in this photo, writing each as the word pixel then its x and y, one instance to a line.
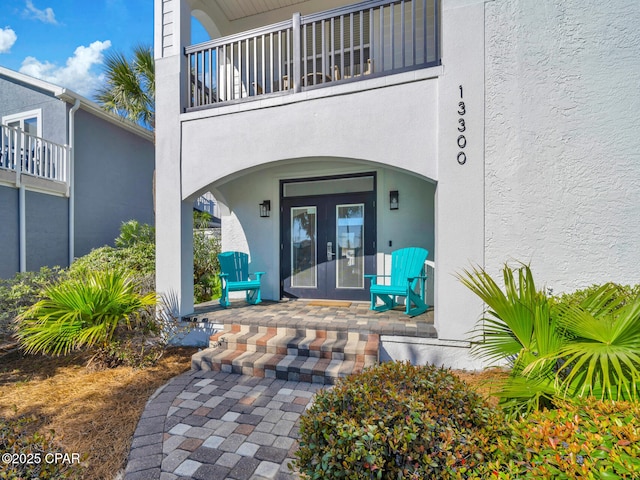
pixel 92 413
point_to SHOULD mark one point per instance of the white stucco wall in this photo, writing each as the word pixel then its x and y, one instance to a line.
pixel 394 125
pixel 562 139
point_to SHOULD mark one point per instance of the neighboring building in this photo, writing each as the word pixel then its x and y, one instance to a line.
pixel 70 174
pixel 483 131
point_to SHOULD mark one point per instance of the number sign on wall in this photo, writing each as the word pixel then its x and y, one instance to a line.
pixel 462 127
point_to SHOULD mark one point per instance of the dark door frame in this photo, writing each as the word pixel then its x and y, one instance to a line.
pixel 370 223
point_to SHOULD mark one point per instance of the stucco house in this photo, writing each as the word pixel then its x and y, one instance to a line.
pixel 332 133
pixel 70 174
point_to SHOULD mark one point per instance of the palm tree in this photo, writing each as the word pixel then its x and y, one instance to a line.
pixel 129 89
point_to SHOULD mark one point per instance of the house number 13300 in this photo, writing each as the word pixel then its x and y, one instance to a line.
pixel 462 127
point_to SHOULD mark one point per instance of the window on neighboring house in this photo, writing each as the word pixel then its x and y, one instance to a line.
pixel 29 122
pixel 30 125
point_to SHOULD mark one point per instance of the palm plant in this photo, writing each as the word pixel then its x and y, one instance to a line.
pixel 517 329
pixel 81 312
pixel 557 349
pixel 130 86
pixel 601 348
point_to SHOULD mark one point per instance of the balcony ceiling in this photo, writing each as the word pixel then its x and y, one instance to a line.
pixel 237 9
pixel 226 17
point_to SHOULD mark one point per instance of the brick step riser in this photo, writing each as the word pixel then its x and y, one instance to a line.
pixel 325 351
pixel 307 346
pixel 282 367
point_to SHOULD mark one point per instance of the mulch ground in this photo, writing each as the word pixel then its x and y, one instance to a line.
pixel 93 413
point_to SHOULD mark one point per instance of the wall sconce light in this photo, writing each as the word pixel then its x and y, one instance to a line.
pixel 265 208
pixel 394 200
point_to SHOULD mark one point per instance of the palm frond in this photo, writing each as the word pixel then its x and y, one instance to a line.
pixel 81 313
pixel 129 89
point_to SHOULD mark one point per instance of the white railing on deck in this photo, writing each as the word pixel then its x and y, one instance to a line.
pixel 376 37
pixel 25 153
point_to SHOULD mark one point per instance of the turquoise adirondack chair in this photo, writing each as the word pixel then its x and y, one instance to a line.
pixel 407 272
pixel 235 277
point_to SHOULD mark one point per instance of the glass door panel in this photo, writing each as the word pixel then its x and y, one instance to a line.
pixel 304 261
pixel 327 245
pixel 350 242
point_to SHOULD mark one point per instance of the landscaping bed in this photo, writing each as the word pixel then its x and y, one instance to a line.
pixel 92 413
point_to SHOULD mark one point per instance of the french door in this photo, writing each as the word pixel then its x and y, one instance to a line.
pixel 328 245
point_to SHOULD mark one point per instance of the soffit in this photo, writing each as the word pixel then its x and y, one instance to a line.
pixel 237 9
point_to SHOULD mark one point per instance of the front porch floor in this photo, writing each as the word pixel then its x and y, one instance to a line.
pixel 345 316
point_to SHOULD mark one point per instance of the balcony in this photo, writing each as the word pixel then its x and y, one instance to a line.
pixel 26 158
pixel 347 44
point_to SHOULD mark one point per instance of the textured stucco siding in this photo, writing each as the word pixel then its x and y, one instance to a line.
pixel 47 230
pixel 9 233
pixel 368 125
pixel 17 98
pixel 562 139
pixel 113 181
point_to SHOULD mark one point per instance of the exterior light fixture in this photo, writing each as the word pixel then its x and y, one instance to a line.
pixel 265 208
pixel 394 200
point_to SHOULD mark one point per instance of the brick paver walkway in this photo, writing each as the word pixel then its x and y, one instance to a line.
pixel 215 425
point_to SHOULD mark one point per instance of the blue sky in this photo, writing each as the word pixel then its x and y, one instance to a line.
pixel 64 41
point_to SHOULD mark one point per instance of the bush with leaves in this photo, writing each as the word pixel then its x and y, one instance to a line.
pixel 590 439
pixel 139 259
pixel 133 232
pixel 18 438
pixel 587 345
pixel 206 247
pixel 20 292
pixel 82 312
pixel 397 421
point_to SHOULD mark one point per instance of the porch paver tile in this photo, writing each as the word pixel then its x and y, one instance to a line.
pixel 244 469
pixel 232 443
pixel 267 469
pixel 247 449
pixel 187 468
pixel 213 441
pixel 174 459
pixel 228 459
pixel 198 432
pixel 180 429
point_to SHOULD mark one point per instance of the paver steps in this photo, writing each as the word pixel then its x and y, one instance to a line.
pixel 310 355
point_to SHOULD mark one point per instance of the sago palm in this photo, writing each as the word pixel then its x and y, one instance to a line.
pixel 81 312
pixel 129 89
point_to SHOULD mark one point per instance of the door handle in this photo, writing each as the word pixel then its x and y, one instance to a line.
pixel 330 253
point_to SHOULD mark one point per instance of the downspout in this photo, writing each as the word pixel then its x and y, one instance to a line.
pixel 72 226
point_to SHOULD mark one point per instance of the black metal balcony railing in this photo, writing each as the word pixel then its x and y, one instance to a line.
pixel 344 44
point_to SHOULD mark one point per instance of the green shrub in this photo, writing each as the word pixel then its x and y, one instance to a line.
pixel 396 421
pixel 206 247
pixel 20 292
pixel 139 258
pixel 591 439
pixel 134 232
pixel 81 312
pixel 17 438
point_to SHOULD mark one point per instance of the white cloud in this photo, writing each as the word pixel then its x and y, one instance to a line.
pixel 77 74
pixel 46 15
pixel 7 38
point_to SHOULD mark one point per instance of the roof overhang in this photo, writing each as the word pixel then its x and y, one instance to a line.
pixel 69 96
